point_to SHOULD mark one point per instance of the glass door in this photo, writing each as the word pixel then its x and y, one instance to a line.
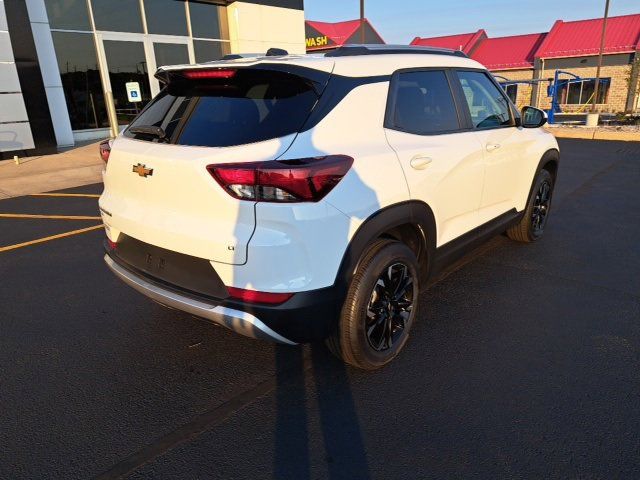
pixel 129 62
pixel 163 50
pixel 126 67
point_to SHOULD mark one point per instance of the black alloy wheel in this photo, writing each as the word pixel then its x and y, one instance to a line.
pixel 541 205
pixel 389 308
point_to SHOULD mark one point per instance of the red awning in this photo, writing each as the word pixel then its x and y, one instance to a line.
pixel 504 53
pixel 582 37
pixel 464 41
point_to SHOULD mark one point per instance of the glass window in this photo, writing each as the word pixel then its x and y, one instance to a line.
pixel 170 54
pixel 512 92
pixel 252 106
pixel 573 92
pixel 117 15
pixel 78 66
pixel 424 103
pixel 487 104
pixel 209 51
pixel 127 63
pixel 588 87
pixel 68 14
pixel 166 17
pixel 581 92
pixel 208 21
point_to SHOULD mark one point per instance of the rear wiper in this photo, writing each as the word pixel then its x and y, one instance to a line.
pixel 149 130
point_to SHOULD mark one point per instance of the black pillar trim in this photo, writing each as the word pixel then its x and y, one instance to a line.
pixel 30 76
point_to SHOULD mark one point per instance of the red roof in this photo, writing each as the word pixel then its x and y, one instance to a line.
pixel 582 37
pixel 504 53
pixel 463 41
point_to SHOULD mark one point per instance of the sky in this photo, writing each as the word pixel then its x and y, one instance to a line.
pixel 399 21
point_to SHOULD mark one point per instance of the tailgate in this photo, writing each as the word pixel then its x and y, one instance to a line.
pixel 157 187
pixel 178 205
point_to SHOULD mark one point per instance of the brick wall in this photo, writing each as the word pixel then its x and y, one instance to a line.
pixel 524 91
pixel 615 67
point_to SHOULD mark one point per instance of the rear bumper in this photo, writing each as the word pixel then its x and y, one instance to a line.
pixel 236 320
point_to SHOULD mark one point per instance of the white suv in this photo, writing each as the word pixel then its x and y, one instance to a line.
pixel 298 198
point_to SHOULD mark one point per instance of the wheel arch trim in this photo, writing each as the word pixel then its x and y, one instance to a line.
pixel 411 212
pixel 550 156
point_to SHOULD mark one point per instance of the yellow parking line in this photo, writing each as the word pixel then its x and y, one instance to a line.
pixel 52 237
pixel 49 217
pixel 88 195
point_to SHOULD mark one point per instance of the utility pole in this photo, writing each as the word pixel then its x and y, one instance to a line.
pixel 602 39
pixel 362 36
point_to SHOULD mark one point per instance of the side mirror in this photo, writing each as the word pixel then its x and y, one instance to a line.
pixel 533 117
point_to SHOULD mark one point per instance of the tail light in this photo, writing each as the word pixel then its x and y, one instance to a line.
pixel 253 296
pixel 301 180
pixel 105 150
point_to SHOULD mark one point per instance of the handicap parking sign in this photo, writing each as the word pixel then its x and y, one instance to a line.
pixel 133 91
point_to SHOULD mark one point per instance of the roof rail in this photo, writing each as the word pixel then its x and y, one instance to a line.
pixel 354 50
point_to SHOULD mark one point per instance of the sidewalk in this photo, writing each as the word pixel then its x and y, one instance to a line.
pixel 72 168
pixel 625 134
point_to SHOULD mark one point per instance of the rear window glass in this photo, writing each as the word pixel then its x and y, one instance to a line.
pixel 252 106
pixel 424 103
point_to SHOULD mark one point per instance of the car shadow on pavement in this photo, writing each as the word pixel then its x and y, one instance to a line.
pixel 344 449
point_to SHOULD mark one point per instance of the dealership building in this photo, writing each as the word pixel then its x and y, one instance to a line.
pixel 62 60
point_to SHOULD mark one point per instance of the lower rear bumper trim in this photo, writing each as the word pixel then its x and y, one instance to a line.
pixel 236 320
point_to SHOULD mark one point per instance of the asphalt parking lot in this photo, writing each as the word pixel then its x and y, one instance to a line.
pixel 525 362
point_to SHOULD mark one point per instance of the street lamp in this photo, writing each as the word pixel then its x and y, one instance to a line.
pixel 602 40
pixel 362 36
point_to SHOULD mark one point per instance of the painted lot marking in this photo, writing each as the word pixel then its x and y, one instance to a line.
pixel 49 217
pixel 87 195
pixel 52 237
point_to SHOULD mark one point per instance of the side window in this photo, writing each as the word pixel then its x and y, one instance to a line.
pixel 487 104
pixel 512 92
pixel 424 103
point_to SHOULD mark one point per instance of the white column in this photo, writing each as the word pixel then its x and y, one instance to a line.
pixel 255 28
pixel 15 130
pixel 50 72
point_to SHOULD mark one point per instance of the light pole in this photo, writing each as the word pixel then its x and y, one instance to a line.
pixel 602 40
pixel 362 36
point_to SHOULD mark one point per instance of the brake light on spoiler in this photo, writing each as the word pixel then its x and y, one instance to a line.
pixel 203 74
pixel 301 180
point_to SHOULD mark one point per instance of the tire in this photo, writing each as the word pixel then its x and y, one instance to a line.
pixel 531 226
pixel 372 307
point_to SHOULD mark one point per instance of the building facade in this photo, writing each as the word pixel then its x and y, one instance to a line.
pixel 573 47
pixel 511 59
pixel 62 62
pixel 526 64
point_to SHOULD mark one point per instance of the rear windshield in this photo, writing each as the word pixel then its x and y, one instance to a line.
pixel 252 106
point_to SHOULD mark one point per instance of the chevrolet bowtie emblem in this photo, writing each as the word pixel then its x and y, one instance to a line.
pixel 142 170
